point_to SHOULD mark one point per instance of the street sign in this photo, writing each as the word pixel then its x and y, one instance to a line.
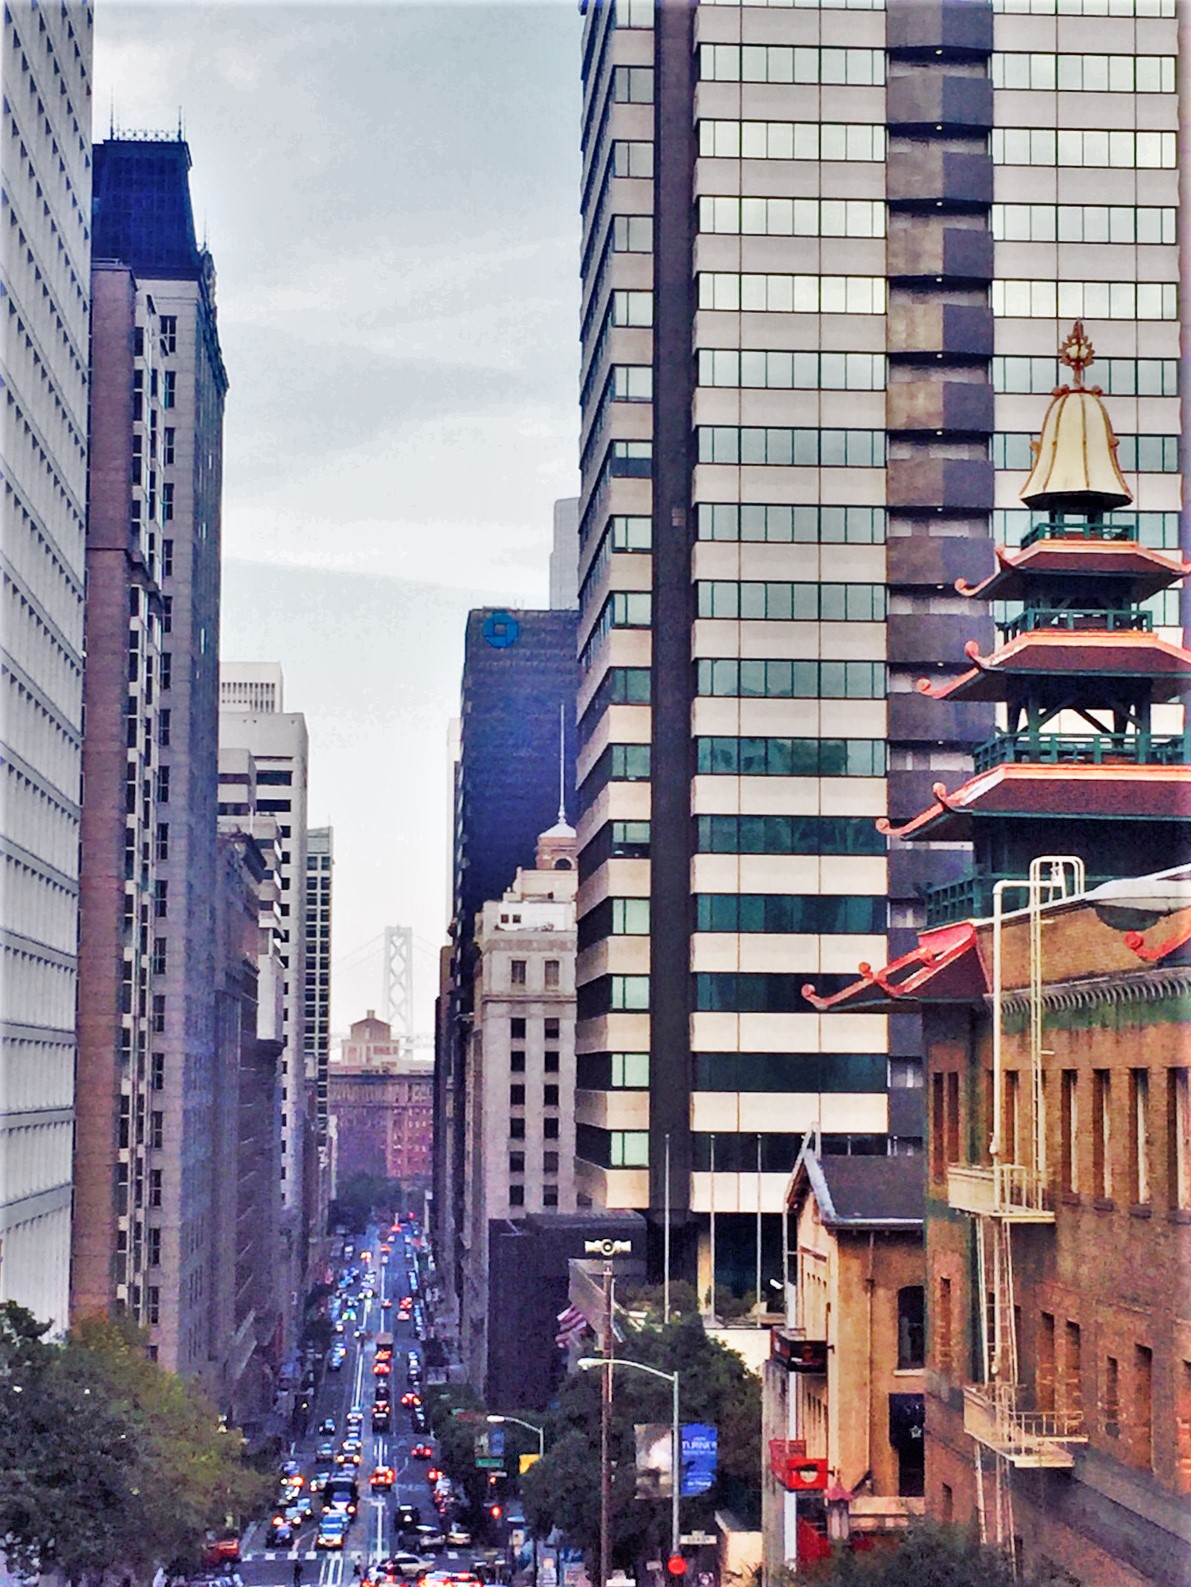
pixel 697 1539
pixel 490 1462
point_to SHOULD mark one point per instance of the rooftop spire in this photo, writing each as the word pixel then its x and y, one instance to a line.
pixel 1075 459
pixel 562 764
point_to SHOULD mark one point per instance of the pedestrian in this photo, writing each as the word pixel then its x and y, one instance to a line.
pixel 297 1573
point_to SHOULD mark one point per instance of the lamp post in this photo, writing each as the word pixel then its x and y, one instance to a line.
pixel 588 1364
pixel 496 1420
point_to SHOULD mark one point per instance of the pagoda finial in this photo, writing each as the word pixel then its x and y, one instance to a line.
pixel 1077 353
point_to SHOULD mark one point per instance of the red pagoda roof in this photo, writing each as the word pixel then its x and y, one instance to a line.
pixel 1114 791
pixel 1146 571
pixel 1168 939
pixel 945 967
pixel 1090 652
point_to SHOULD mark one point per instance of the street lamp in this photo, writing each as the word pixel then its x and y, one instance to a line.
pixel 588 1364
pixel 532 1427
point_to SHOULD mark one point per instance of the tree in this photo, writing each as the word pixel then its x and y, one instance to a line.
pixel 361 1197
pixel 927 1555
pixel 562 1489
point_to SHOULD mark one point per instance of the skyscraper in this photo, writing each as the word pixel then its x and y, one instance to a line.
pixel 817 242
pixel 46 73
pixel 146 1231
pixel 316 1027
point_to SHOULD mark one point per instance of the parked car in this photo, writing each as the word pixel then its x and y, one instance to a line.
pixel 222 1549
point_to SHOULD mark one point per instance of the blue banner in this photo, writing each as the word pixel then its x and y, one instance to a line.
pixel 698 1458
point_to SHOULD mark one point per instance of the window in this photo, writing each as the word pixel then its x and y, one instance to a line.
pixel 156 1130
pixel 550 1129
pixel 550 1061
pixel 1121 377
pixel 549 1162
pixel 791 294
pixel 1090 8
pixel 163 840
pixel 1010 1116
pixel 790 757
pixel 1093 300
pixel 550 1096
pixel 1178 1137
pixel 516 1129
pixel 628 1149
pixel 1069 1130
pixel 632 85
pixel 516 1195
pixel 806 680
pixel 783 913
pixel 632 234
pixel 160 898
pixel 1112 223
pixel 517 1029
pixel 517 1062
pixel 163 729
pixel 550 1028
pixel 1111 1405
pixel 1073 1369
pixel 630 1070
pixel 630 917
pixel 1150 454
pixel 805 525
pixel 781 602
pixel 787 835
pixel 778 446
pixel 1183 1427
pixel 1112 74
pixel 632 159
pixel 153 1246
pixel 153 1307
pixel 165 664
pixel 783 63
pixel 1044 1377
pixel 629 992
pixel 169 334
pixel 161 790
pixel 168 444
pixel 911 1328
pixel 792 140
pixel 167 561
pixel 155 1187
pixel 157 1072
pixel 169 388
pixel 632 308
pixel 1045 146
pixel 551 972
pixel 792 217
pixel 516 1162
pixel 549 1195
pixel 159 960
pixel 1142 1403
pixel 791 371
pixel 1139 1136
pixel 517 1096
pixel 158 1011
pixel 167 502
pixel 1101 1134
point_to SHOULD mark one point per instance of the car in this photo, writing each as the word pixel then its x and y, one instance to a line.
pixel 318 1481
pixel 417 1420
pixel 435 1578
pixel 386 1304
pixel 325 1451
pixel 221 1550
pixel 407 1515
pixel 332 1530
pixel 429 1537
pixel 411 1398
pixel 335 1361
pixel 352 1442
pixel 382 1477
pixel 404 1565
pixel 295 1514
pixel 348 1457
pixel 280 1531
pixel 355 1417
pixel 422 1452
pixel 458 1537
pixel 327 1425
pixel 432 1475
pixel 381 1369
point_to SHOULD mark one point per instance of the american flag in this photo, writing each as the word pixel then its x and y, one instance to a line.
pixel 571 1323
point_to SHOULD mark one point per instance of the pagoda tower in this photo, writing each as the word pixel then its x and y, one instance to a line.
pixel 1078 767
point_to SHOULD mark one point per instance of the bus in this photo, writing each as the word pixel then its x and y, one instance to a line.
pixel 384 1347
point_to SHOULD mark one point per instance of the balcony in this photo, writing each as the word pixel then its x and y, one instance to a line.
pixel 1079 529
pixel 1037 1439
pixel 1095 619
pixel 1082 749
pixel 1009 1191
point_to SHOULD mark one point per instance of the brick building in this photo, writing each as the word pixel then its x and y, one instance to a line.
pixel 381 1106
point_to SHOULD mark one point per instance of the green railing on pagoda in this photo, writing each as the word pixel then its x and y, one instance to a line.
pixel 1083 749
pixel 1079 529
pixel 970 897
pixel 1121 619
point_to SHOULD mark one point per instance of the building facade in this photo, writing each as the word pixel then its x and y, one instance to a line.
pixel 517 700
pixel 520 1149
pixel 162 458
pixel 46 74
pixel 317 1012
pixel 564 555
pixel 381 1101
pixel 818 240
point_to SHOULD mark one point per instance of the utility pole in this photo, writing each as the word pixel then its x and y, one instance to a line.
pixel 666 1239
pixel 605 1436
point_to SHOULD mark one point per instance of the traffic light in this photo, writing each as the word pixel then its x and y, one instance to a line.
pixel 496 1511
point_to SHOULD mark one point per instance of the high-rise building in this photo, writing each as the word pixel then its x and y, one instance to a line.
pixel 564 555
pixel 146 1223
pixel 316 1030
pixel 262 775
pixel 46 274
pixel 520 1074
pixel 381 1105
pixel 516 754
pixel 818 240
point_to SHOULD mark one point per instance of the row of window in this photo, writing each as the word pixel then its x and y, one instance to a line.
pixel 550 1130
pixel 788 1072
pixel 1090 300
pixel 804 525
pixel 614 917
pixel 792 217
pixel 784 445
pixel 820 5
pixel 748 992
pixel 790 680
pixel 1146 454
pixel 790 757
pixel 779 600
pixel 1157 529
pixel 1050 146
pixel 622 609
pixel 775 370
pixel 612 1148
pixel 1114 223
pixel 632 158
pixel 786 63
pixel 517 1095
pixel 792 140
pixel 790 914
pixel 1118 377
pixel 1087 8
pixel 1111 74
pixel 756 293
pixel 605 1071
pixel 787 835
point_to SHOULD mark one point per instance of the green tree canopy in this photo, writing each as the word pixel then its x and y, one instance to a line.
pixel 928 1555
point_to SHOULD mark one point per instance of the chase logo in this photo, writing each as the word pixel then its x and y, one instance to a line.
pixel 501 630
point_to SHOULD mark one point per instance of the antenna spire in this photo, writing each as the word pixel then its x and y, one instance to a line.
pixel 562 763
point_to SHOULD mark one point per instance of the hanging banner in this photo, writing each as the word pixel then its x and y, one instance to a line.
pixel 699 1457
pixel 655 1442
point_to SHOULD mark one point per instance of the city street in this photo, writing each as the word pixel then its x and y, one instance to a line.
pixel 373 1534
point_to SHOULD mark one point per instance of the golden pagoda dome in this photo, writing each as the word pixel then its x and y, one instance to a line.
pixel 1075 459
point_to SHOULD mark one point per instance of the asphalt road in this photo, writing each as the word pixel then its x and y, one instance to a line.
pixel 373 1534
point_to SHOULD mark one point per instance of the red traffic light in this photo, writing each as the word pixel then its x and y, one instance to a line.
pixel 676 1565
pixel 496 1511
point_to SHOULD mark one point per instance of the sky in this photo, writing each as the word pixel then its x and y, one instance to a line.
pixel 390 194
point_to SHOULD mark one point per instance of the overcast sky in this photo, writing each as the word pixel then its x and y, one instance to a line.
pixel 390 193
